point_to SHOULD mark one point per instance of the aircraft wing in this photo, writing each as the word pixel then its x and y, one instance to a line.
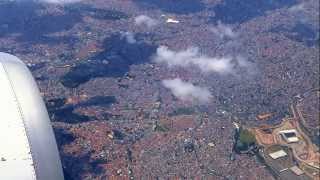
pixel 28 149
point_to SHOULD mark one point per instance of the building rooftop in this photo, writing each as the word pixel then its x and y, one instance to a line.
pixel 278 154
pixel 289 135
pixel 170 20
pixel 288 131
pixel 296 170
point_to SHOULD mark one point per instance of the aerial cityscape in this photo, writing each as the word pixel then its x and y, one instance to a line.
pixel 175 89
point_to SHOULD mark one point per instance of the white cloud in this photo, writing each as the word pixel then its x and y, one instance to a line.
pixel 297 8
pixel 60 1
pixel 224 31
pixel 145 20
pixel 299 11
pixel 129 36
pixel 242 62
pixel 50 1
pixel 192 57
pixel 187 91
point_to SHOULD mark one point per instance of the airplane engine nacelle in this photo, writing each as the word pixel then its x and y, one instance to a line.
pixel 28 149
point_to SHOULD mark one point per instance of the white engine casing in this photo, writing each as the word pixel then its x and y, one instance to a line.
pixel 28 149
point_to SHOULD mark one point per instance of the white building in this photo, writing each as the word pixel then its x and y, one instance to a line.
pixel 170 20
pixel 291 135
pixel 278 154
pixel 296 170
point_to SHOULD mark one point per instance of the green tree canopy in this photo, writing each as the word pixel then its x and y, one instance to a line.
pixel 246 137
